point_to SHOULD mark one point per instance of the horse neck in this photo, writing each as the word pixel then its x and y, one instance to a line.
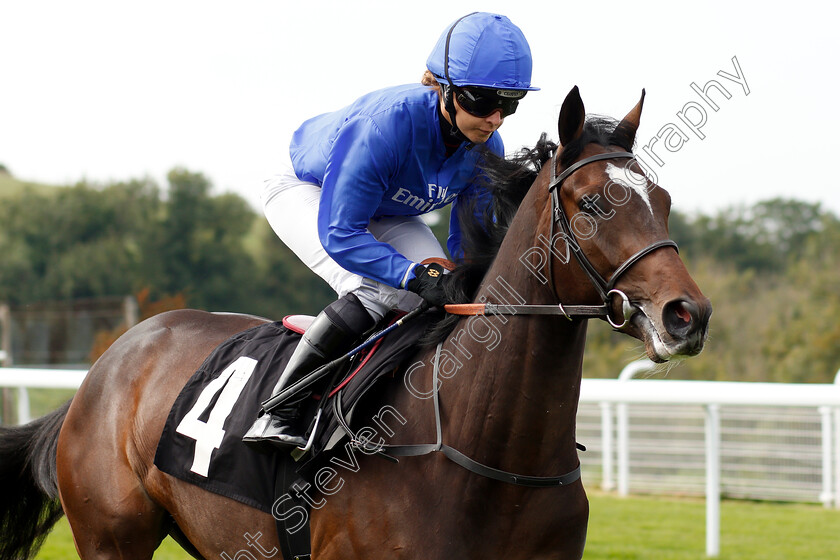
pixel 516 397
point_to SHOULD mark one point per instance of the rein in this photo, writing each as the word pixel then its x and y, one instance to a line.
pixel 606 288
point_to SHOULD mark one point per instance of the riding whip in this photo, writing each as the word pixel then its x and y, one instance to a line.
pixel 277 400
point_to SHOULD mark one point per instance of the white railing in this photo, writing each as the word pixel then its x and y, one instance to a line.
pixel 40 378
pixel 613 396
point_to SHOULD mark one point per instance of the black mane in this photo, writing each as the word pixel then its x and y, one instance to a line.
pixel 507 180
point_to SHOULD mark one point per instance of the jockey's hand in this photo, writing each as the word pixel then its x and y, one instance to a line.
pixel 428 284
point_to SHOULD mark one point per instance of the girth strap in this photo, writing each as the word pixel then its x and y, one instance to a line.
pixel 392 451
pixel 520 479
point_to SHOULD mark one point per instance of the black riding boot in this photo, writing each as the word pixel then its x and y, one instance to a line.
pixel 332 333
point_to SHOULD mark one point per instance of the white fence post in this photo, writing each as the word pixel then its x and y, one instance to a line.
pixel 4 356
pixel 24 413
pixel 837 458
pixel 827 423
pixel 712 480
pixel 622 428
pixel 23 410
pixel 623 425
pixel 836 444
pixel 24 378
pixel 607 451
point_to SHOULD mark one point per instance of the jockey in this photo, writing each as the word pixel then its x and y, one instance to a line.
pixel 362 176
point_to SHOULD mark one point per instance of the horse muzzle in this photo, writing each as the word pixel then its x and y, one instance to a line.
pixel 678 331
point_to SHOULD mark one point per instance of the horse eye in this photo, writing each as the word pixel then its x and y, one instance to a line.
pixel 587 206
pixel 595 207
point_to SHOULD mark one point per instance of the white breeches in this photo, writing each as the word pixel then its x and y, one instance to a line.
pixel 291 207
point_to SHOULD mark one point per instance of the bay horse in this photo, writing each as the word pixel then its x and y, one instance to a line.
pixel 588 237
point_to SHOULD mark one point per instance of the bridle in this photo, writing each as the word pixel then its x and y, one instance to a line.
pixel 605 287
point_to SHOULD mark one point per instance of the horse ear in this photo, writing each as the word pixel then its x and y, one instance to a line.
pixel 625 132
pixel 572 116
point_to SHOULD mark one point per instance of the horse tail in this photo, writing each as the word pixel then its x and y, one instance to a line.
pixel 29 505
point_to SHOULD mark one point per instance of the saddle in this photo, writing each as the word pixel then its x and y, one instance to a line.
pixel 201 440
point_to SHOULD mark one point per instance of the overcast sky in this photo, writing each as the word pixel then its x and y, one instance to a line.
pixel 115 90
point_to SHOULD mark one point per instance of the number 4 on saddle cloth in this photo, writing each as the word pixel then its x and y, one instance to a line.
pixel 201 441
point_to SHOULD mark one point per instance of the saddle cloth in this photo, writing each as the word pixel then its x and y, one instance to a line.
pixel 201 441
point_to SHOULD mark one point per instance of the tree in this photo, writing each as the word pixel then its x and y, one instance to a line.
pixel 289 287
pixel 773 274
pixel 73 242
pixel 772 270
pixel 761 237
pixel 198 246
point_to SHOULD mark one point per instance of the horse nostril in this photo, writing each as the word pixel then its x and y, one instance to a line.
pixel 679 317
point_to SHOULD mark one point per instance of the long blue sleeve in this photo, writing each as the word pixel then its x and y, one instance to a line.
pixel 381 156
pixel 360 168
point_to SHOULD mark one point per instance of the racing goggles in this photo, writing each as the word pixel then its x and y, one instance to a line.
pixel 482 102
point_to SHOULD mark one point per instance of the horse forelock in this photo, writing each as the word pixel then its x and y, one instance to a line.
pixel 597 129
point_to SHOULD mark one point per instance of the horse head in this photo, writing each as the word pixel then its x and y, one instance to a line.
pixel 614 219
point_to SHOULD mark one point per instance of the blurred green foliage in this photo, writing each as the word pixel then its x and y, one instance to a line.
pixel 772 270
pixel 90 241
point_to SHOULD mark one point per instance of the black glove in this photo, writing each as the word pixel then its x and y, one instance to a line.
pixel 428 284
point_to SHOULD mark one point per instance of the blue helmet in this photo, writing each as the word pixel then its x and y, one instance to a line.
pixel 484 50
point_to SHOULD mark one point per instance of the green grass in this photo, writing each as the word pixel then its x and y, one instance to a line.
pixel 649 528
pixel 59 546
pixel 41 401
pixel 675 529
